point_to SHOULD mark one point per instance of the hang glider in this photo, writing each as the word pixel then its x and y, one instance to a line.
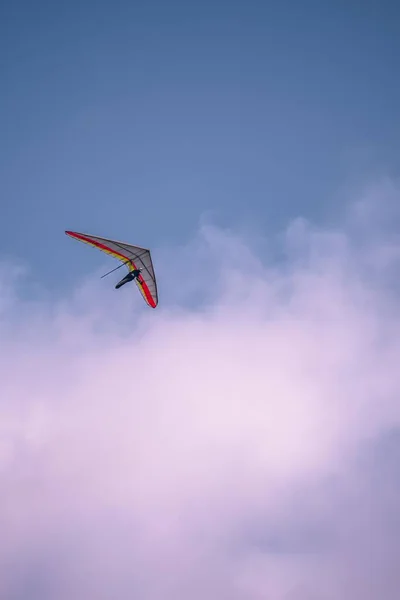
pixel 136 259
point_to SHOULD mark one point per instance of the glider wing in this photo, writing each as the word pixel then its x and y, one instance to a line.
pixel 134 257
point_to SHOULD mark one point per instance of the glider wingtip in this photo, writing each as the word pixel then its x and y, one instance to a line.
pixel 73 234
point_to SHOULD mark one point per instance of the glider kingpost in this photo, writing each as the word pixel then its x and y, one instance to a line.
pixel 136 259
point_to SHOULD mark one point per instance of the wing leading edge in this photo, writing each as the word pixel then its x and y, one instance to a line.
pixel 134 257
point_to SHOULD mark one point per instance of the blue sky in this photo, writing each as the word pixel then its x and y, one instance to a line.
pixel 133 120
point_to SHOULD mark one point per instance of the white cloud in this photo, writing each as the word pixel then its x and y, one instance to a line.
pixel 222 452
